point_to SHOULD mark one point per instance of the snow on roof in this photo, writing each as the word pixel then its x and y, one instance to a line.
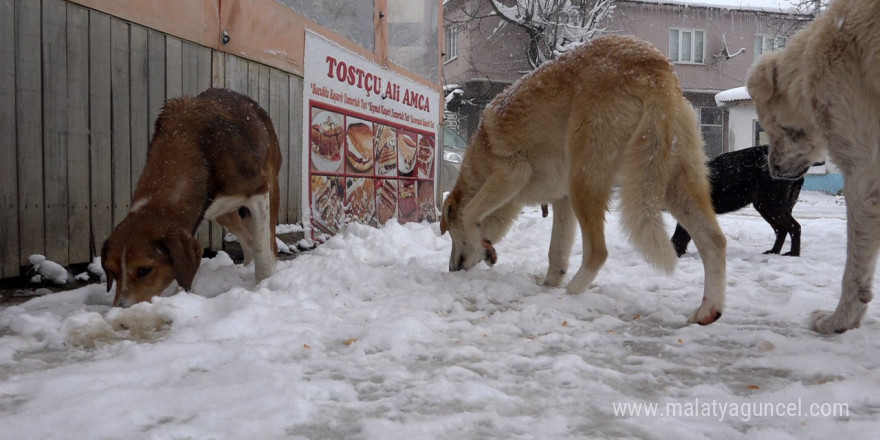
pixel 737 94
pixel 760 5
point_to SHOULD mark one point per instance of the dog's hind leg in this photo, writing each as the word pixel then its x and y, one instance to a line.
pixel 862 243
pixel 689 202
pixel 233 222
pixel 783 224
pixel 561 240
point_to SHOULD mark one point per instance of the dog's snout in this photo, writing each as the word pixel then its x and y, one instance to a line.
pixel 456 263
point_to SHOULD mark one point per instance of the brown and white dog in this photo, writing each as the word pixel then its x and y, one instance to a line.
pixel 215 157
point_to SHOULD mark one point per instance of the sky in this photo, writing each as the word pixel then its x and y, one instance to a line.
pixel 370 337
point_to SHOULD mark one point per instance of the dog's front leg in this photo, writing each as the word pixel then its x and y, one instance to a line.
pixel 258 223
pixel 862 243
pixel 561 240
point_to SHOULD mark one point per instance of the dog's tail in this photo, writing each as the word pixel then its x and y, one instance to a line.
pixel 646 167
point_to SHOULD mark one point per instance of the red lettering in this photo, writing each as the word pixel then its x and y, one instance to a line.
pixel 332 63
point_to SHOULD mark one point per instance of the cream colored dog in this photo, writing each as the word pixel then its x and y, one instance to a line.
pixel 609 111
pixel 822 94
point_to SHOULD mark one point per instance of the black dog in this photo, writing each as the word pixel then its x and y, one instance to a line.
pixel 741 177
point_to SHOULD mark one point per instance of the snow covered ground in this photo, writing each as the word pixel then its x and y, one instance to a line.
pixel 370 337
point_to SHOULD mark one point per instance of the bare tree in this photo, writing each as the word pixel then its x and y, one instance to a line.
pixel 810 7
pixel 554 26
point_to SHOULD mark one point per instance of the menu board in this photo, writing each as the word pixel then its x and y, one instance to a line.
pixel 371 137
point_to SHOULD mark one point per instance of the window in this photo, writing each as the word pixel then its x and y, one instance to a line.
pixel 686 46
pixel 712 129
pixel 767 43
pixel 451 43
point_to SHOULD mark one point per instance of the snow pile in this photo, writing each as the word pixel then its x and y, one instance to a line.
pixel 368 337
pixel 47 270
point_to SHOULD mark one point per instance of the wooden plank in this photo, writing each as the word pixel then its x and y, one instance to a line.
pixel 173 67
pixel 140 103
pixel 9 244
pixel 190 61
pixel 100 114
pixel 54 47
pixel 218 79
pixel 78 133
pixel 253 80
pixel 274 109
pixel 236 74
pixel 121 121
pixel 283 129
pixel 204 69
pixel 28 101
pixel 263 85
pixel 218 69
pixel 156 73
pixel 295 164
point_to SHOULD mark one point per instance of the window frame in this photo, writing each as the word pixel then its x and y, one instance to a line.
pixel 450 40
pixel 760 49
pixel 679 49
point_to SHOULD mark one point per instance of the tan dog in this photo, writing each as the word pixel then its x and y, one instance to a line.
pixel 822 94
pixel 609 111
pixel 214 156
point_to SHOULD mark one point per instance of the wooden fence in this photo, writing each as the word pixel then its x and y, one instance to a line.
pixel 79 93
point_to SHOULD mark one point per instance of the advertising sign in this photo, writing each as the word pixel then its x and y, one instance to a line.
pixel 371 141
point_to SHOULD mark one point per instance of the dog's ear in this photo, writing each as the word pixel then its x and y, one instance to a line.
pixel 186 254
pixel 763 78
pixel 444 215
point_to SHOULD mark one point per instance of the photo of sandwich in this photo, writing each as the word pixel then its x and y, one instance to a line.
pixel 385 143
pixel 427 208
pixel 359 151
pixel 425 156
pixel 360 201
pixel 406 147
pixel 326 204
pixel 386 200
pixel 407 202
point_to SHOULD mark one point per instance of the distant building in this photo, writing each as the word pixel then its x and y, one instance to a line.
pixel 712 44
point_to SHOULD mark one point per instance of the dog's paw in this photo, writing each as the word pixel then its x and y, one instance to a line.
pixel 827 322
pixel 705 315
pixel 553 278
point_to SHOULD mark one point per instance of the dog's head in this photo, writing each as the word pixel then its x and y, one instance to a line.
pixel 465 253
pixel 143 259
pixel 470 243
pixel 796 140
